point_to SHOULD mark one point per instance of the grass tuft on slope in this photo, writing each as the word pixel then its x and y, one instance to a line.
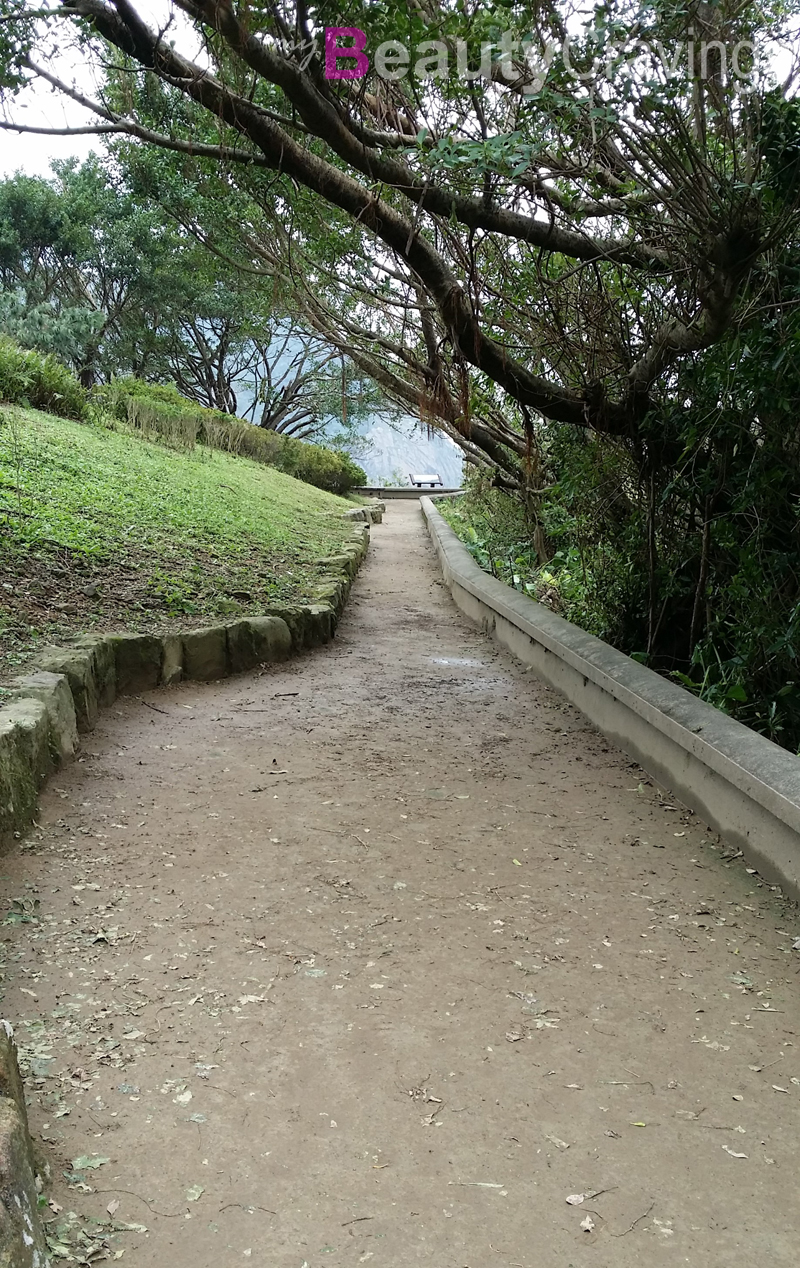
pixel 99 529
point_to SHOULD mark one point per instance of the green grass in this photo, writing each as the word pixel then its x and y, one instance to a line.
pixel 101 529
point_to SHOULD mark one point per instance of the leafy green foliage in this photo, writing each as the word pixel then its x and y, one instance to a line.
pixel 66 332
pixel 326 468
pixel 780 122
pixel 78 244
pixel 17 34
pixel 96 267
pixel 32 378
pixel 160 412
pixel 583 583
pixel 681 548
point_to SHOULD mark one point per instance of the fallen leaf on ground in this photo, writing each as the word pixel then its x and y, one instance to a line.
pixel 84 1163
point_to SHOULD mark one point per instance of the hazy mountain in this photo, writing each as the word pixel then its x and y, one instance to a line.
pixel 396 450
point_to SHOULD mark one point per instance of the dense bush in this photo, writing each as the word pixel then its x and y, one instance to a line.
pixel 326 468
pixel 160 412
pixel 39 380
pixel 687 555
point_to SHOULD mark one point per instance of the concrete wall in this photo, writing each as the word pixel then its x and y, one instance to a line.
pixel 403 493
pixel 743 785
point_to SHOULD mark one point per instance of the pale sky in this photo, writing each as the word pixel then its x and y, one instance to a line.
pixel 34 154
pixel 43 107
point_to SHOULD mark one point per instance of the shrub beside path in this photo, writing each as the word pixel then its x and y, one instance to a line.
pixel 384 956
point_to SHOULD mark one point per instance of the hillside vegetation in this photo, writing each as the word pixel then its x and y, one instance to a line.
pixel 101 528
pixel 577 548
pixel 159 412
pixel 31 377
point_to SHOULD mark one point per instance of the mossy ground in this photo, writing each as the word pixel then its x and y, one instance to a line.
pixel 100 529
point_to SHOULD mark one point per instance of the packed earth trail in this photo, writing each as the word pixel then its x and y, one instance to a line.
pixel 386 956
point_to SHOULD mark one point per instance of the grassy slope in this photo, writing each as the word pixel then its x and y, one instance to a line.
pixel 99 528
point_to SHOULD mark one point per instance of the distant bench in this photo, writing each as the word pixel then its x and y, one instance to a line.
pixel 429 481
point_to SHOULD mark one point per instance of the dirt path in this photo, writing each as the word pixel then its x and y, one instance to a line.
pixel 382 955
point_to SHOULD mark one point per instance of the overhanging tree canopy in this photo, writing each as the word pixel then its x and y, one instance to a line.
pixel 572 241
pixel 609 246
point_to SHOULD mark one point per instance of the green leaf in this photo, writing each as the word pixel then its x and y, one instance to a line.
pixel 736 692
pixel 85 1163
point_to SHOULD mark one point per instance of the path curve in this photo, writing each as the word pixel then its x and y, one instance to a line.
pixel 389 953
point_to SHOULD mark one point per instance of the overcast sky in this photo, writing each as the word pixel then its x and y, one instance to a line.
pixel 42 107
pixel 34 154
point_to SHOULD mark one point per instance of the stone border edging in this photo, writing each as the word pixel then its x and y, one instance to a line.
pixel 743 785
pixel 40 726
pixel 39 730
pixel 372 513
pixel 22 1238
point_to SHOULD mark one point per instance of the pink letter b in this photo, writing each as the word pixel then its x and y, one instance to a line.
pixel 334 50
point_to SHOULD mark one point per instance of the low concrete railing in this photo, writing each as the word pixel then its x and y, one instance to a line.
pixel 743 785
pixel 403 492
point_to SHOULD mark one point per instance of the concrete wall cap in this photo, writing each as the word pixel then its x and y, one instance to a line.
pixel 750 762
